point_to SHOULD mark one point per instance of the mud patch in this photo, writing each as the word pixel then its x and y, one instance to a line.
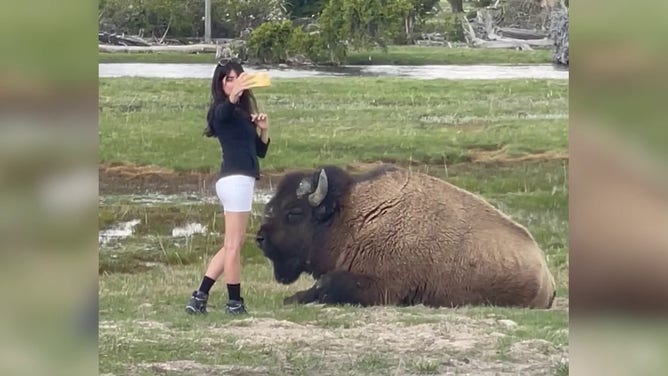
pixel 128 179
pixel 121 178
pixel 502 156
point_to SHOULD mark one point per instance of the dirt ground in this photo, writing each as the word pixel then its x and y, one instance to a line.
pixel 128 179
pixel 449 343
pixel 117 178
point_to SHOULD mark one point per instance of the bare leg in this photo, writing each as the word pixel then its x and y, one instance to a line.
pixel 199 299
pixel 235 234
pixel 227 260
pixel 216 265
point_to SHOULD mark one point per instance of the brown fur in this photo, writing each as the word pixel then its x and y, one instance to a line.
pixel 423 240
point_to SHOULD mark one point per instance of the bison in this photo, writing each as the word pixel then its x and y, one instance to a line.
pixel 396 237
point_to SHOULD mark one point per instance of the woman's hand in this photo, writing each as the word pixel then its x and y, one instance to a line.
pixel 261 121
pixel 240 84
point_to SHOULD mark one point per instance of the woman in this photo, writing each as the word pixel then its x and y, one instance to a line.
pixel 244 136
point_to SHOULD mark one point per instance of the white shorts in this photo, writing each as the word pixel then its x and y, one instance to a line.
pixel 236 193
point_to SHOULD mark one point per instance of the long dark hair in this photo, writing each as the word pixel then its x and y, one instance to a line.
pixel 246 104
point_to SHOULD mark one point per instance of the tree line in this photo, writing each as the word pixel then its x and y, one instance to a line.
pixel 184 18
pixel 320 30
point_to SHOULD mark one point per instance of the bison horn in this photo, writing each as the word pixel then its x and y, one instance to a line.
pixel 320 192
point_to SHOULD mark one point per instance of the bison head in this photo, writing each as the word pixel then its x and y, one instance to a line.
pixel 297 218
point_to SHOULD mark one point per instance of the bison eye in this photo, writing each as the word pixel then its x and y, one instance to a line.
pixel 295 215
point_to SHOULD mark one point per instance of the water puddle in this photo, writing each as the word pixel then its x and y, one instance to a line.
pixel 157 199
pixel 117 232
pixel 122 237
pixel 188 230
pixel 262 196
pixel 422 72
pixel 148 219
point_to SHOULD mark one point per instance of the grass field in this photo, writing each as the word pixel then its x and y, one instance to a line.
pixel 340 121
pixel 395 55
pixel 506 140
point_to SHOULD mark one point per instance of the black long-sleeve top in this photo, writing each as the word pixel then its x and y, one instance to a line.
pixel 241 145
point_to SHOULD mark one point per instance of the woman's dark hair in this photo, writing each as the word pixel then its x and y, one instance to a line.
pixel 246 104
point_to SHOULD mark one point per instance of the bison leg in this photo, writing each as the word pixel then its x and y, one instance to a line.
pixel 302 297
pixel 342 287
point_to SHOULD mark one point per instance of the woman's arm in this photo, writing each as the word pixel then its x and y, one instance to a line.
pixel 262 140
pixel 224 110
pixel 222 113
pixel 262 143
pixel 264 135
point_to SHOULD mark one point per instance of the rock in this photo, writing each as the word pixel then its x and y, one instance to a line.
pixel 523 349
pixel 429 43
pixel 432 36
pixel 508 324
pixel 310 28
pixel 298 60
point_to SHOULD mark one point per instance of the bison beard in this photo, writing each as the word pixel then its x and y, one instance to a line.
pixel 400 238
pixel 288 271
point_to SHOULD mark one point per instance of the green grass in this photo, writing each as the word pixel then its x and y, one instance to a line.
pixel 395 55
pixel 439 127
pixel 338 120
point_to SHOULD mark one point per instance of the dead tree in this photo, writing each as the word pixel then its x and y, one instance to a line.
pixel 559 34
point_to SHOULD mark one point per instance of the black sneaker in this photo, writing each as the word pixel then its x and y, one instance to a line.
pixel 197 303
pixel 235 307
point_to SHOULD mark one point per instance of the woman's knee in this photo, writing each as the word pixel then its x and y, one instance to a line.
pixel 234 248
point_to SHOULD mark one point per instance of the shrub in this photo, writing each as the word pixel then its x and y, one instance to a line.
pixel 454 28
pixel 275 42
pixel 307 44
pixel 269 42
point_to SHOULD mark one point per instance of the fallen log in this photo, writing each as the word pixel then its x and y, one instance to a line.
pixel 121 40
pixel 192 48
pixel 489 38
pixel 526 34
pixel 494 44
pixel 474 41
pixel 545 43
